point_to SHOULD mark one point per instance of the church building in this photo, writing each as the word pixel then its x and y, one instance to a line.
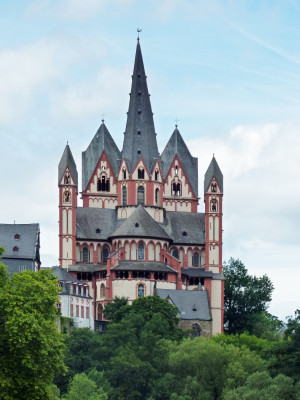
pixel 138 232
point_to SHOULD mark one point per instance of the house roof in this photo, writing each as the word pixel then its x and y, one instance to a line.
pixel 140 224
pixel 102 141
pixel 63 275
pixel 176 146
pixel 196 273
pixel 139 136
pixel 143 266
pixel 88 220
pixel 192 304
pixel 67 161
pixel 213 171
pixel 84 267
pixel 27 244
pixel 184 227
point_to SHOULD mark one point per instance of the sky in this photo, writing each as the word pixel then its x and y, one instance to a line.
pixel 228 71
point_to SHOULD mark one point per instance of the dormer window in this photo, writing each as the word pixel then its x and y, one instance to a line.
pixel 141 173
pixel 124 173
pixel 17 236
pixel 15 249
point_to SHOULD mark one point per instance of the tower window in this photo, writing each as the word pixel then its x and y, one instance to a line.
pixel 124 173
pixel 213 187
pixel 214 205
pixel 157 196
pixel 156 175
pixel 103 184
pixel 67 197
pixel 141 173
pixel 141 196
pixel 176 189
pixel 67 179
pixel 195 260
pixel 176 170
pixel 105 253
pixel 85 254
pixel 175 253
pixel 141 251
pixel 124 195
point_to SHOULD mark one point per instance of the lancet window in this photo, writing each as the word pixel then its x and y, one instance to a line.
pixel 105 254
pixel 176 189
pixel 214 205
pixel 85 254
pixel 141 173
pixel 196 259
pixel 124 195
pixel 157 196
pixel 141 290
pixel 103 184
pixel 141 195
pixel 141 251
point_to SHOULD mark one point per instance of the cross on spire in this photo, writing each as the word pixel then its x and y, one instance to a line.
pixel 176 122
pixel 102 117
pixel 138 31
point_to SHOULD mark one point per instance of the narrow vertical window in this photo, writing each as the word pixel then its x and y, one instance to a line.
pixel 141 251
pixel 85 254
pixel 141 290
pixel 105 253
pixel 195 260
pixel 124 195
pixel 175 253
pixel 157 197
pixel 141 196
pixel 124 173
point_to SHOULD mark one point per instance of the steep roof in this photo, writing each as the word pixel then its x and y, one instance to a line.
pixel 139 265
pixel 140 224
pixel 102 141
pixel 89 220
pixel 184 227
pixel 192 304
pixel 27 244
pixel 67 161
pixel 63 275
pixel 176 145
pixel 196 273
pixel 213 170
pixel 139 136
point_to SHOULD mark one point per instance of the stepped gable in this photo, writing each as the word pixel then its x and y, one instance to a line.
pixel 102 141
pixel 67 161
pixel 139 136
pixel 176 145
pixel 185 228
pixel 213 171
pixel 90 220
pixel 192 304
pixel 140 224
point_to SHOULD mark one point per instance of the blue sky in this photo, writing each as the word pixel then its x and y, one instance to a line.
pixel 228 70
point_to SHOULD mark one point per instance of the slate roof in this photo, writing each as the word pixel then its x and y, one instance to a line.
pixel 213 170
pixel 186 301
pixel 102 141
pixel 63 275
pixel 139 136
pixel 28 243
pixel 67 160
pixel 176 145
pixel 193 224
pixel 13 264
pixel 88 220
pixel 143 266
pixel 140 224
pixel 196 273
pixel 82 267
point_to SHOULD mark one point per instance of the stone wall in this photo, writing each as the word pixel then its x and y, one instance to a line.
pixel 205 327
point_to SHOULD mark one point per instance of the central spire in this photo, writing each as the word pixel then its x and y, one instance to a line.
pixel 140 136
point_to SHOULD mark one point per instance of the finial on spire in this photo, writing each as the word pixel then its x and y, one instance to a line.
pixel 213 154
pixel 176 122
pixel 67 143
pixel 102 118
pixel 138 31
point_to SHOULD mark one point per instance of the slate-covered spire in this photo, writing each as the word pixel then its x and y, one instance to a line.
pixel 102 141
pixel 139 136
pixel 176 145
pixel 67 161
pixel 213 171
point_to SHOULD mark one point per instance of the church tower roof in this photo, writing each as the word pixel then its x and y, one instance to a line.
pixel 67 161
pixel 139 136
pixel 102 141
pixel 176 145
pixel 213 170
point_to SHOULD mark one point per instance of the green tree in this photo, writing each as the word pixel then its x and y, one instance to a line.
pixel 112 308
pixel 31 349
pixel 82 387
pixel 246 298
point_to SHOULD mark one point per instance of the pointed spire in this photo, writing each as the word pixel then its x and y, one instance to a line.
pixel 140 136
pixel 176 146
pixel 67 161
pixel 213 171
pixel 100 142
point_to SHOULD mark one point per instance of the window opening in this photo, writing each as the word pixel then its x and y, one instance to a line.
pixel 141 195
pixel 124 173
pixel 141 173
pixel 105 253
pixel 157 196
pixel 124 195
pixel 175 254
pixel 176 189
pixel 85 254
pixel 141 290
pixel 67 197
pixel 103 184
pixel 156 175
pixel 141 251
pixel 213 187
pixel 195 260
pixel 214 205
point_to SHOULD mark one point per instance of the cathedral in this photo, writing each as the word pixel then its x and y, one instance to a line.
pixel 138 232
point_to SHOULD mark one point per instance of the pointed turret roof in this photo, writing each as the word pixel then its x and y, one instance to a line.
pixel 67 161
pixel 176 145
pixel 100 142
pixel 139 136
pixel 140 224
pixel 213 171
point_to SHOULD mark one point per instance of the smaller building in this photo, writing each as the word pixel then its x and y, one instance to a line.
pixel 194 309
pixel 22 245
pixel 75 301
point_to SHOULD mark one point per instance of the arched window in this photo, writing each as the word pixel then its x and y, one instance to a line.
pixel 124 195
pixel 157 196
pixel 141 251
pixel 103 184
pixel 176 189
pixel 85 254
pixel 196 330
pixel 141 290
pixel 175 253
pixel 214 205
pixel 196 259
pixel 105 253
pixel 67 196
pixel 141 195
pixel 102 290
pixel 124 173
pixel 156 175
pixel 141 173
pixel 213 187
pixel 67 179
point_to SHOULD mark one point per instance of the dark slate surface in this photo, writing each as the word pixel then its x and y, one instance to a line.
pixel 176 145
pixel 102 141
pixel 67 160
pixel 13 265
pixel 63 275
pixel 147 227
pixel 89 219
pixel 196 273
pixel 192 223
pixel 27 244
pixel 185 300
pixel 82 267
pixel 213 171
pixel 143 266
pixel 139 118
